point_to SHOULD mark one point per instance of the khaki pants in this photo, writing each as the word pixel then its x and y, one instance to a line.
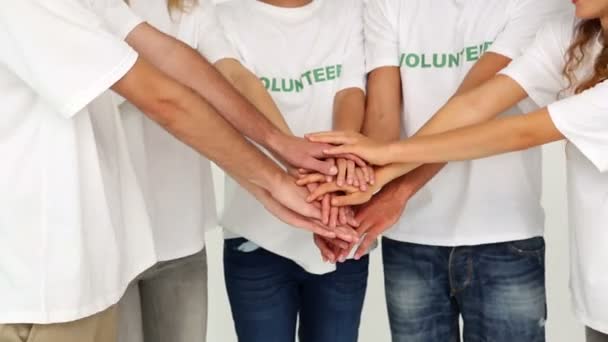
pixel 97 328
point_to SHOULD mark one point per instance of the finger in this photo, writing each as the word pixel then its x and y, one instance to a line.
pixel 343 151
pixel 360 162
pixel 346 233
pixel 350 218
pixel 339 244
pixel 310 178
pixel 318 229
pixel 326 252
pixel 361 178
pixel 364 247
pixel 334 138
pixel 342 169
pixel 323 166
pixel 333 217
pixel 350 172
pixel 355 197
pixel 366 175
pixel 372 175
pixel 342 215
pixel 304 171
pixel 365 227
pixel 327 188
pixel 325 209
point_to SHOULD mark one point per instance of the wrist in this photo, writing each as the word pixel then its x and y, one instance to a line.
pixel 274 140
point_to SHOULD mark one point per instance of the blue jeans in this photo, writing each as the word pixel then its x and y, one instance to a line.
pixel 267 292
pixel 498 289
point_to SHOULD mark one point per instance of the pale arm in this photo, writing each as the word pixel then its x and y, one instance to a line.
pixel 188 67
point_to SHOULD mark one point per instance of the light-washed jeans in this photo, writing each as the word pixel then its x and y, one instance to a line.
pixel 596 336
pixel 167 303
pixel 497 289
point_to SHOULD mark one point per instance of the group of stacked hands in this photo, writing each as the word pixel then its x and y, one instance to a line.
pixel 355 172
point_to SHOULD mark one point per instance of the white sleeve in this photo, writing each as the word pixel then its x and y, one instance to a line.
pixel 353 68
pixel 526 17
pixel 118 16
pixel 381 34
pixel 62 51
pixel 539 70
pixel 583 120
pixel 212 41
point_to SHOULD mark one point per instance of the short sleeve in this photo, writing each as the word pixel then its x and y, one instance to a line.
pixel 118 17
pixel 539 70
pixel 212 41
pixel 353 67
pixel 583 120
pixel 525 18
pixel 62 51
pixel 381 34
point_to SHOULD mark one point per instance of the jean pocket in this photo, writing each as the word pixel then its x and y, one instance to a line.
pixel 534 246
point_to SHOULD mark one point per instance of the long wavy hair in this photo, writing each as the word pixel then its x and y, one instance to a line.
pixel 585 34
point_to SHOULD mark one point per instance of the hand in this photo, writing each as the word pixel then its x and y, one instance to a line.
pixel 333 250
pixel 380 214
pixel 308 155
pixel 351 174
pixel 373 152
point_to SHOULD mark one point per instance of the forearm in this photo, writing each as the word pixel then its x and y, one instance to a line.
pixel 188 67
pixel 349 110
pixel 250 86
pixel 383 110
pixel 508 134
pixel 193 121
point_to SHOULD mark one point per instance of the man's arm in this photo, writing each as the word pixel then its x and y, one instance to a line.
pixel 188 67
pixel 190 119
pixel 486 68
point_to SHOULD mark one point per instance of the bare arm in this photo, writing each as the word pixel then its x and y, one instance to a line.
pixel 384 101
pixel 190 119
pixel 503 135
pixel 188 67
pixel 487 66
pixel 250 86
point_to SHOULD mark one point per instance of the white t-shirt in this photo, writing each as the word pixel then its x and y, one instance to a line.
pixel 73 228
pixel 583 119
pixel 177 181
pixel 435 44
pixel 303 56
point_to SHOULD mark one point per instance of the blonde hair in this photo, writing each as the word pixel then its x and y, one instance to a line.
pixel 181 5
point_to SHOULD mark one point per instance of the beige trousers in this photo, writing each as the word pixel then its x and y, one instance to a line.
pixel 97 328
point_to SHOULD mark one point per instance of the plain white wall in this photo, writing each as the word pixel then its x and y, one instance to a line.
pixel 561 326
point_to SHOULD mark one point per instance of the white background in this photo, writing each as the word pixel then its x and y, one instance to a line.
pixel 561 326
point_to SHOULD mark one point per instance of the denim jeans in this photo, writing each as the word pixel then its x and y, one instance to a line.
pixel 497 289
pixel 167 303
pixel 268 293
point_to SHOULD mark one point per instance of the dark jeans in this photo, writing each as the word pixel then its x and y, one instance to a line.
pixel 498 289
pixel 267 292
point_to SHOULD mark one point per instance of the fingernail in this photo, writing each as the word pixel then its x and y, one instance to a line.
pixel 333 170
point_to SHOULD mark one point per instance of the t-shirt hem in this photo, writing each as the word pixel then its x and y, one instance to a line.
pixel 63 316
pixel 182 253
pixel 520 79
pixel 591 153
pixel 464 241
pixel 380 62
pixel 504 51
pixel 591 323
pixel 83 98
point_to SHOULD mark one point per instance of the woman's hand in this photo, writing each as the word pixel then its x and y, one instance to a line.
pixel 373 152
